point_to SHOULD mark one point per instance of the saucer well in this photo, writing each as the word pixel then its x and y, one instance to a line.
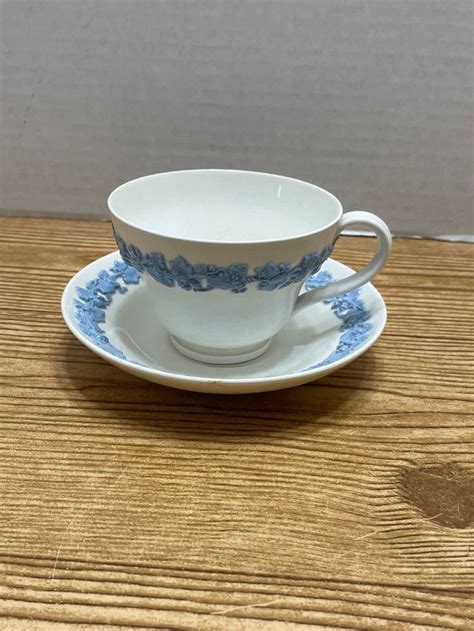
pixel 107 307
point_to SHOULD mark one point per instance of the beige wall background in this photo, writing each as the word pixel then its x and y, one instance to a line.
pixel 371 99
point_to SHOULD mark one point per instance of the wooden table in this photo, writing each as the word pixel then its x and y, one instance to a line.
pixel 344 503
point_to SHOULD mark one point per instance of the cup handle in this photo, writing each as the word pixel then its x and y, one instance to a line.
pixel 357 218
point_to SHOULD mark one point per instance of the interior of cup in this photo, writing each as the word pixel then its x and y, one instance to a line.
pixel 224 206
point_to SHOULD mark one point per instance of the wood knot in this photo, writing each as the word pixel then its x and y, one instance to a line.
pixel 443 492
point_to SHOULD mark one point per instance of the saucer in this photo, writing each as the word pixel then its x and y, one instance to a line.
pixel 107 307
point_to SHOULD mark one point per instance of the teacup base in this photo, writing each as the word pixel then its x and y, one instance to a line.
pixel 220 356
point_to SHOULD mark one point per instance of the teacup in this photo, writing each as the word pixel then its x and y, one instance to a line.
pixel 225 253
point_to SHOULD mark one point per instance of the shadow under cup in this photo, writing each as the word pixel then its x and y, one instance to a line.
pixel 225 253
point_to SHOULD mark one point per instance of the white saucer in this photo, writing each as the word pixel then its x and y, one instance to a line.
pixel 107 307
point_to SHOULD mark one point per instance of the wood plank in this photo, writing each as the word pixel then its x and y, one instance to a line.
pixel 344 503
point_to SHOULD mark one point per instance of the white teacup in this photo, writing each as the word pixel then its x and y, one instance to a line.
pixel 226 253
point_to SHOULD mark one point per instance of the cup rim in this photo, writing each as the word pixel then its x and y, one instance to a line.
pixel 155 233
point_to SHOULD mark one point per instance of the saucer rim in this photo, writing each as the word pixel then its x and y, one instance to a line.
pixel 307 374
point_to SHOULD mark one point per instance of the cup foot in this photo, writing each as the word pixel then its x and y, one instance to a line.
pixel 220 356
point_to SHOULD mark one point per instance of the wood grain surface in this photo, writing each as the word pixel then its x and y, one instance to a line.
pixel 346 503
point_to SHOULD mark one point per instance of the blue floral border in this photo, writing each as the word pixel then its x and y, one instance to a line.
pixel 349 308
pixel 179 272
pixel 93 300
